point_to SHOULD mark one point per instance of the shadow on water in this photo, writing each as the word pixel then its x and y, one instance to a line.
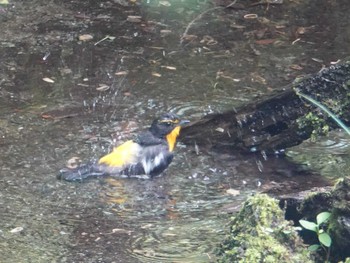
pixel 60 98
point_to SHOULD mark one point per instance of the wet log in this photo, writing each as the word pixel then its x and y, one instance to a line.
pixel 277 122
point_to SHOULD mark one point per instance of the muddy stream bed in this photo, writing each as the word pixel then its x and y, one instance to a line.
pixel 78 77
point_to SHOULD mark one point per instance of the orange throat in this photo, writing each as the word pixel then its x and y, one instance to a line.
pixel 171 138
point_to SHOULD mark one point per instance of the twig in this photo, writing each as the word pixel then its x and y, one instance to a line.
pixel 233 3
pixel 199 17
pixel 103 39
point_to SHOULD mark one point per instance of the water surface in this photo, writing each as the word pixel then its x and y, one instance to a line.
pixel 102 94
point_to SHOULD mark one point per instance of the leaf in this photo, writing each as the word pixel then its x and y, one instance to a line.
pixel 102 87
pixel 85 37
pixel 155 74
pixel 265 41
pixel 322 217
pixel 4 2
pixel 313 248
pixel 16 229
pixel 48 80
pixel 134 19
pixel 308 225
pixel 325 239
pixel 232 192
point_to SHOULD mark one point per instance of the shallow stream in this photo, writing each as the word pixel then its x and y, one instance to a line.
pixel 61 97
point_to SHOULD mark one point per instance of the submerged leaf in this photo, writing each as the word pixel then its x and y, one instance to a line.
pixel 85 37
pixel 48 80
pixel 16 229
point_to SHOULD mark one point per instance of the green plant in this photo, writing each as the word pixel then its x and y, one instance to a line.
pixel 325 109
pixel 318 228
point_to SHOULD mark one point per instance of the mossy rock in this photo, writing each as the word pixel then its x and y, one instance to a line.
pixel 259 233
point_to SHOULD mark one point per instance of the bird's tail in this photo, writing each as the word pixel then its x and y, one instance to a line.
pixel 81 172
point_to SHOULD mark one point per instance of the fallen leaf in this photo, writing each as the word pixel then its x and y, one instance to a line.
pixel 134 19
pixel 237 26
pixel 102 87
pixel 255 77
pixel 233 192
pixel 121 73
pixel 147 226
pixel 164 3
pixel 301 30
pixel 317 60
pixel 46 116
pixel 120 230
pixel 155 74
pixel 265 41
pixel 169 67
pixel 250 16
pixel 165 32
pixel 48 80
pixel 85 37
pixel 189 37
pixel 16 229
pixel 295 67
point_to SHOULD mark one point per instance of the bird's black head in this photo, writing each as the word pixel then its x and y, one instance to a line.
pixel 165 124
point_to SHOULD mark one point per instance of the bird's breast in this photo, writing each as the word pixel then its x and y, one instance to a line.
pixel 171 138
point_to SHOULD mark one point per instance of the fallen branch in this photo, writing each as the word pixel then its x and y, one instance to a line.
pixel 279 121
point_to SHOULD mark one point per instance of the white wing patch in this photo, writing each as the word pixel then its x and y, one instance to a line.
pixel 150 164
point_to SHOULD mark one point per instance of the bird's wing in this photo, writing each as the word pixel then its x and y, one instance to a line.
pixel 124 155
pixel 155 159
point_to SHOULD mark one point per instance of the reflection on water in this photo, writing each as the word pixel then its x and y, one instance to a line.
pixel 175 218
pixel 330 154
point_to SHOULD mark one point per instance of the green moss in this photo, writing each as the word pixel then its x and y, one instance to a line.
pixel 259 233
pixel 314 124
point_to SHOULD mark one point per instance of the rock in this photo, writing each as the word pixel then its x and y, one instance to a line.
pixel 259 233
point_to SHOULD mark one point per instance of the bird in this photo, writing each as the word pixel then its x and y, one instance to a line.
pixel 148 154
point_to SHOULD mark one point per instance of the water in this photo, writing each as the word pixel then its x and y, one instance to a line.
pixel 182 215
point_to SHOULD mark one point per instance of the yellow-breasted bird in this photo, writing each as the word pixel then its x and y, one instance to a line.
pixel 150 153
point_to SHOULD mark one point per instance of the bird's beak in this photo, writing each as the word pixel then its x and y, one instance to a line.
pixel 183 122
